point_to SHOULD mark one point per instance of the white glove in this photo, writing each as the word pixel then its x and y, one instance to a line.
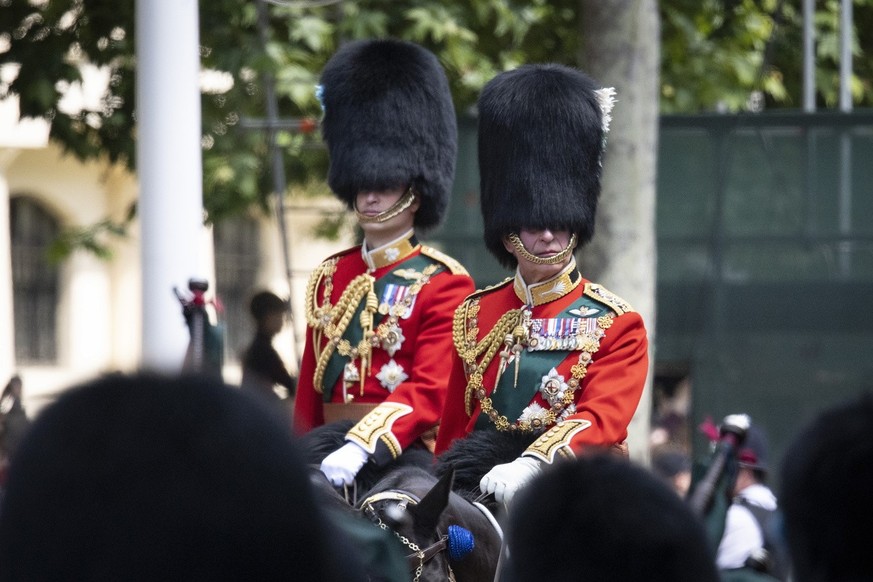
pixel 506 479
pixel 341 466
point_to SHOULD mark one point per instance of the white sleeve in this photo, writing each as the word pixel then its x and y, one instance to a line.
pixel 741 537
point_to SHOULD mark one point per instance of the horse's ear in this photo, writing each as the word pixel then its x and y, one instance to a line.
pixel 428 511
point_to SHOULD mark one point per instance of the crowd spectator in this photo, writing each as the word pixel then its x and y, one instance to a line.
pixel 602 517
pixel 14 421
pixel 147 477
pixel 826 484
pixel 263 369
pixel 749 540
pixel 674 468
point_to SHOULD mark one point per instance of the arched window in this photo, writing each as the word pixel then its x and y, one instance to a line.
pixel 35 281
pixel 237 259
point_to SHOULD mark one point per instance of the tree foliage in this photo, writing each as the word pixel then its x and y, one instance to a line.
pixel 718 54
pixel 715 55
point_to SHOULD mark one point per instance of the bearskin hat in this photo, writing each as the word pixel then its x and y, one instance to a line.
pixel 541 135
pixel 389 121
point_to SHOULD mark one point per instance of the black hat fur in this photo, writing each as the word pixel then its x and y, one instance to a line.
pixel 389 121
pixel 540 143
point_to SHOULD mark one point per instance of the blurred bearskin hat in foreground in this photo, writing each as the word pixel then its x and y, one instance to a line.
pixel 389 122
pixel 541 136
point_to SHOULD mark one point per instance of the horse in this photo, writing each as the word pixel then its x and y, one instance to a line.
pixel 447 535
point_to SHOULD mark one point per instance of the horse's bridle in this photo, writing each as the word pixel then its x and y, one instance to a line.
pixel 419 557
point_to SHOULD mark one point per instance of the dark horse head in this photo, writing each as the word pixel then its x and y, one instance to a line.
pixel 447 537
pixel 435 525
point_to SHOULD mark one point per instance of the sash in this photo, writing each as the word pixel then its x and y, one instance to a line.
pixel 512 400
pixel 354 333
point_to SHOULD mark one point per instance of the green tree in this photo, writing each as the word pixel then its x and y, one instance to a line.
pixel 715 53
pixel 50 40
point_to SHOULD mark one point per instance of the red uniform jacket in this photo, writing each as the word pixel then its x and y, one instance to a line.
pixel 420 288
pixel 586 329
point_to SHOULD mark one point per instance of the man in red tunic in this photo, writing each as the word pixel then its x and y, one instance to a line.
pixel 546 352
pixel 379 315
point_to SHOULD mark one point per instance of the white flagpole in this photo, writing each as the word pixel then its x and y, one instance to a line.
pixel 170 172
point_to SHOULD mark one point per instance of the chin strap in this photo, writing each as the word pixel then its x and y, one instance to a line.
pixel 402 204
pixel 553 260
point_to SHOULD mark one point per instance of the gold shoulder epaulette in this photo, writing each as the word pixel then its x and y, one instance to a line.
pixel 603 295
pixel 453 265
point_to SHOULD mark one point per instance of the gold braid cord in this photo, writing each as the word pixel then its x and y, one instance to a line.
pixel 331 321
pixel 402 204
pixel 469 350
pixel 465 330
pixel 317 316
pixel 553 260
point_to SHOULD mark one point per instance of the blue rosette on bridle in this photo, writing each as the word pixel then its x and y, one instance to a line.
pixel 461 542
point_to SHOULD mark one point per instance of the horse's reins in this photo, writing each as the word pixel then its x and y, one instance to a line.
pixel 418 558
pixel 490 516
pixel 350 493
pixel 478 504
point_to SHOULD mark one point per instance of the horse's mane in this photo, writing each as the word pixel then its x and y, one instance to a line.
pixel 414 479
pixel 476 454
pixel 325 439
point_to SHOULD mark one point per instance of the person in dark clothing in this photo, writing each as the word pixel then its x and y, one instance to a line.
pixel 602 517
pixel 826 480
pixel 146 477
pixel 674 469
pixel 262 366
pixel 13 418
pixel 14 424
